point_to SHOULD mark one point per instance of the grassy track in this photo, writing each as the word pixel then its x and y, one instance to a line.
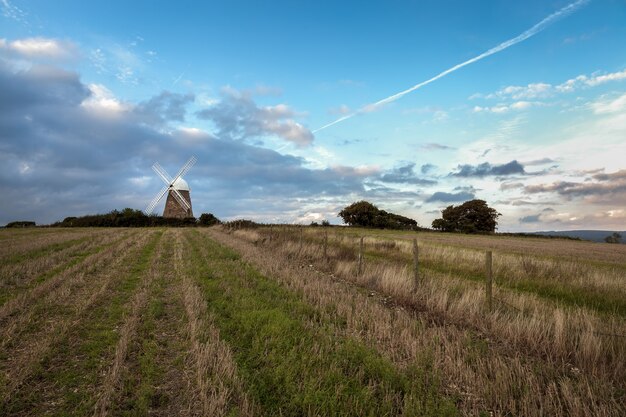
pixel 294 368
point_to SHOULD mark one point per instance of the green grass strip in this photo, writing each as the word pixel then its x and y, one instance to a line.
pixel 292 360
pixel 74 367
pixel 139 391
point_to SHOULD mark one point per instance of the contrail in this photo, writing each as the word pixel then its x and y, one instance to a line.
pixel 504 45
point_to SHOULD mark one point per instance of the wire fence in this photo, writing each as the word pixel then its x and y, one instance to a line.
pixel 489 281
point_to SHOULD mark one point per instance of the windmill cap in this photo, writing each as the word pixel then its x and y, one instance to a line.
pixel 181 185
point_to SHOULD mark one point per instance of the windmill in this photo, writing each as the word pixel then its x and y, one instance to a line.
pixel 178 203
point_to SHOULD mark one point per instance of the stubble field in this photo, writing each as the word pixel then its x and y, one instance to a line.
pixel 283 321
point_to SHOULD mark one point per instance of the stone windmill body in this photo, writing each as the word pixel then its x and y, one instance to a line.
pixel 178 202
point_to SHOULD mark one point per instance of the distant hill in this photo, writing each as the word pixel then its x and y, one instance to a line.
pixel 593 235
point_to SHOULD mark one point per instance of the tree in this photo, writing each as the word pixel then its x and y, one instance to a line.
pixel 614 238
pixel 365 214
pixel 361 213
pixel 473 216
pixel 208 219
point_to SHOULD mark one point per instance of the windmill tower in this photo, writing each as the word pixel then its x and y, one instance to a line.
pixel 178 203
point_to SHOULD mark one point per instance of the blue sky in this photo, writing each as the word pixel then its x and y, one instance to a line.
pixel 94 92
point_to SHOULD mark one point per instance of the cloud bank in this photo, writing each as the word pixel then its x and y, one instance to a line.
pixel 69 148
pixel 237 117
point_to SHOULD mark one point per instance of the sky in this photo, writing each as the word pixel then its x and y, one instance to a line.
pixel 296 109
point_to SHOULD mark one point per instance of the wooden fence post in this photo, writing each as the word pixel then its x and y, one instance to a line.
pixel 489 280
pixel 360 269
pixel 416 273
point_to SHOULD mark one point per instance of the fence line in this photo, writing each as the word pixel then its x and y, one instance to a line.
pixel 488 274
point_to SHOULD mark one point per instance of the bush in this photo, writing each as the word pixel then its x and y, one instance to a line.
pixel 21 224
pixel 208 219
pixel 242 224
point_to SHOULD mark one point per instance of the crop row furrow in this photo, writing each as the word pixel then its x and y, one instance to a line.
pixel 36 244
pixel 58 280
pixel 17 278
pixel 67 371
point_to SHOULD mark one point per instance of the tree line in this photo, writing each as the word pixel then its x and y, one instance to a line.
pixel 129 217
pixel 473 216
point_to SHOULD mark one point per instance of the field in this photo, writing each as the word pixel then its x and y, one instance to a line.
pixel 301 321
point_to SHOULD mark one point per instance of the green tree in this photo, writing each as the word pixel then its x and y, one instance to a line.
pixel 361 213
pixel 365 214
pixel 473 216
pixel 614 238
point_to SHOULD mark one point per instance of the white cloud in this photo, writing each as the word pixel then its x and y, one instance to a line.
pixel 544 90
pixel 609 105
pixel 126 75
pixel 600 79
pixel 505 108
pixel 40 48
pixel 516 92
pixel 98 60
pixel 103 102
pixel 120 61
pixel 12 12
pixel 583 81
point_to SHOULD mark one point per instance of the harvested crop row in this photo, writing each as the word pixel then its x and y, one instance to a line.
pixel 16 278
pixel 468 360
pixel 110 396
pixel 28 337
pixel 57 279
pixel 290 356
pixel 214 386
pixel 71 369
pixel 39 240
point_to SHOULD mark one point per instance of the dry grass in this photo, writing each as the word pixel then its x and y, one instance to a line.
pixel 18 276
pixel 27 337
pixel 61 284
pixel 215 388
pixel 21 244
pixel 128 332
pixel 582 371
